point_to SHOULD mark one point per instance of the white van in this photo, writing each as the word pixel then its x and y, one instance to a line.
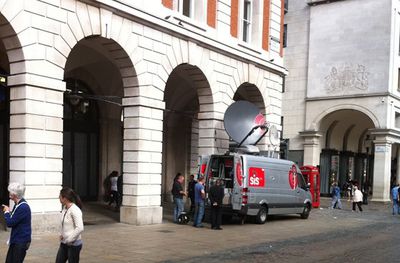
pixel 257 185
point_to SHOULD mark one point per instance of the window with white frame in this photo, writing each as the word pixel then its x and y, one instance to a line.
pixel 246 20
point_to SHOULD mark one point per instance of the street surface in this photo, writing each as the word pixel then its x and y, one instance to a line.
pixel 327 236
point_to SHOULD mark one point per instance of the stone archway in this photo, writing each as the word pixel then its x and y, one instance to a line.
pixel 346 149
pixel 187 93
pixel 97 70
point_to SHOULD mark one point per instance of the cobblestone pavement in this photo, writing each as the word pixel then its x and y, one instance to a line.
pixel 335 234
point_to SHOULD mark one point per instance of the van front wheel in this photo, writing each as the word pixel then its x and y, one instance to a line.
pixel 262 215
pixel 306 211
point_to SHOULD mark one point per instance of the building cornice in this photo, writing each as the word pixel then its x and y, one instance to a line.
pixel 188 33
pixel 320 2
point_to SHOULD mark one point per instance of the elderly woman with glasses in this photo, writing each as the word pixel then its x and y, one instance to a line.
pixel 19 219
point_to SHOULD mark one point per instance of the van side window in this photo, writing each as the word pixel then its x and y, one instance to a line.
pixel 302 183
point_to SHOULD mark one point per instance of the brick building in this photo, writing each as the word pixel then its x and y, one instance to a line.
pixel 134 86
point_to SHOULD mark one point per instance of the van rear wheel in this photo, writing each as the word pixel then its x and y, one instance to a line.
pixel 262 215
pixel 306 211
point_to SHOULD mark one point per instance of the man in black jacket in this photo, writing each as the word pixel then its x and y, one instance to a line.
pixel 216 196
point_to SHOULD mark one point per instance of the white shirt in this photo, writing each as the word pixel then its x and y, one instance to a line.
pixel 114 183
pixel 358 196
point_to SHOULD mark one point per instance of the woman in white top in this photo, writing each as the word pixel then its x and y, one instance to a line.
pixel 357 199
pixel 71 227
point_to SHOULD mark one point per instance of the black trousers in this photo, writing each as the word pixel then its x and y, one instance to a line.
pixel 70 253
pixel 17 252
pixel 114 198
pixel 216 216
pixel 358 204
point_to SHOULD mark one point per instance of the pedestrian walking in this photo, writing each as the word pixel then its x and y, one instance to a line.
pixel 216 196
pixel 114 194
pixel 357 199
pixel 199 197
pixel 178 193
pixel 191 184
pixel 71 227
pixel 19 219
pixel 395 199
pixel 336 202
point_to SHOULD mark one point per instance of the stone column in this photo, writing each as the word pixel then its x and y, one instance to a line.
pixel 142 158
pixel 36 138
pixel 212 137
pixel 311 147
pixel 382 163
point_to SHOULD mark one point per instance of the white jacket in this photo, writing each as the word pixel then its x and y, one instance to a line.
pixel 71 224
pixel 358 196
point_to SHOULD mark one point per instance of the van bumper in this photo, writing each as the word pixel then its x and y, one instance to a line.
pixel 250 209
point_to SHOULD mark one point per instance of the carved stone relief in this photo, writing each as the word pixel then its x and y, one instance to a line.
pixel 347 78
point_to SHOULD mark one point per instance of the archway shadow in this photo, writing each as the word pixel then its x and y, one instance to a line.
pixel 98 213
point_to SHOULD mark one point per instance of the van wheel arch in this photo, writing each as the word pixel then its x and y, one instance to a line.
pixel 262 214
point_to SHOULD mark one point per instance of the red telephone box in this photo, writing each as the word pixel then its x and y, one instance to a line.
pixel 311 175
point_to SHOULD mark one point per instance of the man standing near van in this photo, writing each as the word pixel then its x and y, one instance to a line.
pixel 178 193
pixel 216 196
pixel 199 197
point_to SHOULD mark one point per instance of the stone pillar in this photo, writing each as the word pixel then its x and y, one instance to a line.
pixel 382 163
pixel 311 147
pixel 36 138
pixel 194 147
pixel 398 165
pixel 212 137
pixel 142 158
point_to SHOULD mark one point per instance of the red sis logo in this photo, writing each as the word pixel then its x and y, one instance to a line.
pixel 256 177
pixel 293 177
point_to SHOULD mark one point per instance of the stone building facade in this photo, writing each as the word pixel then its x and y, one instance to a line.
pixel 342 103
pixel 139 87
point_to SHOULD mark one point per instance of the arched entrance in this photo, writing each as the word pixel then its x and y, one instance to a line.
pixel 347 152
pixel 251 93
pixel 184 89
pixel 93 127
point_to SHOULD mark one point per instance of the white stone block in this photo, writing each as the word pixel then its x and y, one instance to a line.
pixel 45 205
pixel 116 24
pixel 45 24
pixel 94 15
pixel 75 26
pixel 41 192
pixel 35 136
pixel 27 121
pixel 69 5
pixel 54 151
pixel 27 149
pixel 56 13
pixel 68 36
pixel 55 57
pixel 83 17
pixel 54 124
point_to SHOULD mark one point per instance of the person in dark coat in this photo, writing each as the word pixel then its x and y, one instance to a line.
pixel 216 196
pixel 191 185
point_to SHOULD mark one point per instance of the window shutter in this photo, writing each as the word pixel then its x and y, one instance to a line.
pixel 234 17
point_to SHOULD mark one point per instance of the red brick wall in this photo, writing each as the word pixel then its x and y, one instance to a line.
pixel 211 12
pixel 265 31
pixel 167 3
pixel 234 17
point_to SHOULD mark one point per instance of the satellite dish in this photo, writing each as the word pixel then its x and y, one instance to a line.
pixel 274 135
pixel 244 123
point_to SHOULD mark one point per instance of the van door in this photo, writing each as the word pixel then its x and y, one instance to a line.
pixel 202 164
pixel 238 183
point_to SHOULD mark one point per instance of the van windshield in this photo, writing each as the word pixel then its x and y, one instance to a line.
pixel 221 167
pixel 302 182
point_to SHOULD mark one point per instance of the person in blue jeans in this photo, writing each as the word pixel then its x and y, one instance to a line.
pixel 336 203
pixel 199 197
pixel 395 199
pixel 178 193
